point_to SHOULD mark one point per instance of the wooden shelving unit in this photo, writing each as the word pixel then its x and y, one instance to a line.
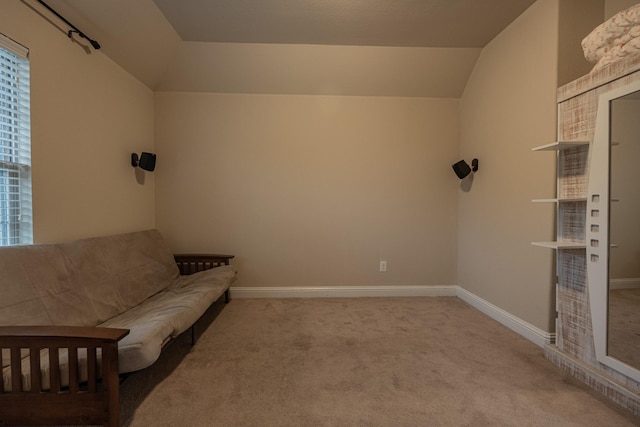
pixel 566 213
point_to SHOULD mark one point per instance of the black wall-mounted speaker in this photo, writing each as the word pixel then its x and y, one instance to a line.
pixel 462 169
pixel 147 161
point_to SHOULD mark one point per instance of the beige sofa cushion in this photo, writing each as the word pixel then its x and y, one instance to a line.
pixel 166 315
pixel 85 282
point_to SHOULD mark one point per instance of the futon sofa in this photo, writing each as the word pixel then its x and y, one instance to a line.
pixel 75 317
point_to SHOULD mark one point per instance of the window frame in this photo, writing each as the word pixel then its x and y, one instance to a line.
pixel 16 212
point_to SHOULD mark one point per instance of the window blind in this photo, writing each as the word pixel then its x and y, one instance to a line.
pixel 16 218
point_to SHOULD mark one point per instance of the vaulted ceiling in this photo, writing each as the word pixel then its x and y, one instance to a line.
pixel 352 47
pixel 425 23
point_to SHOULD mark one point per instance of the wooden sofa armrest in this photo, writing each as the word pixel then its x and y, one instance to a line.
pixel 93 402
pixel 64 332
pixel 193 263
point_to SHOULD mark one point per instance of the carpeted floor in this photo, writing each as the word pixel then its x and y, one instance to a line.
pixel 359 362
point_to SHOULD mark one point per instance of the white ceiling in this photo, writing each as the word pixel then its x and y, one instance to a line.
pixel 407 47
pixel 425 23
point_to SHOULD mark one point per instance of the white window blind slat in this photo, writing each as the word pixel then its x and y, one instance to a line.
pixel 16 214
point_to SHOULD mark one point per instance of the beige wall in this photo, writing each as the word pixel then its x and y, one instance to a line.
pixel 611 7
pixel 311 190
pixel 509 107
pixel 87 116
pixel 577 19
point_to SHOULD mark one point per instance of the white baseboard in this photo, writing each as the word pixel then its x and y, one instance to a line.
pixel 633 283
pixel 527 330
pixel 343 291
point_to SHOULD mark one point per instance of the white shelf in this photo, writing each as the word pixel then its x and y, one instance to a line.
pixel 560 245
pixel 560 145
pixel 577 199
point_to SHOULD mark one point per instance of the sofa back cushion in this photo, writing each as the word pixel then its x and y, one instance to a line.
pixel 84 282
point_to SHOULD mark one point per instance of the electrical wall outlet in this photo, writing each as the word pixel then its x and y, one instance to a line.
pixel 383 265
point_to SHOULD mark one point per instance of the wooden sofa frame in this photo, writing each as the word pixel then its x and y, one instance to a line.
pixel 91 402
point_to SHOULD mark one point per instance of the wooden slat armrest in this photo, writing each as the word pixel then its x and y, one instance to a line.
pixel 203 258
pixel 64 332
pixel 193 263
pixel 73 399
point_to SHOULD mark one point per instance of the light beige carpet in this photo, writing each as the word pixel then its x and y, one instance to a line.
pixel 359 362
